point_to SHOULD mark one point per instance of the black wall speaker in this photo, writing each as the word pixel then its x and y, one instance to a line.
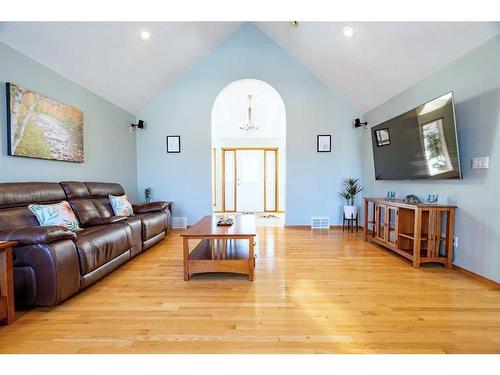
pixel 358 123
pixel 139 125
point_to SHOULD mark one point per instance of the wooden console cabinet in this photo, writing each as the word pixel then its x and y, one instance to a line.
pixel 422 233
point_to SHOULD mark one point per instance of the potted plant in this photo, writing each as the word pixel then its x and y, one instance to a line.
pixel 148 192
pixel 351 189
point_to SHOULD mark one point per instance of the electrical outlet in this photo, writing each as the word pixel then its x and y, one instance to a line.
pixel 455 242
pixel 481 163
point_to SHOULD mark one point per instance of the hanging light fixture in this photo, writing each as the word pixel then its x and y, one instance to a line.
pixel 249 125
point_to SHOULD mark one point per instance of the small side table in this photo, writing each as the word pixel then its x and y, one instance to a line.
pixel 7 312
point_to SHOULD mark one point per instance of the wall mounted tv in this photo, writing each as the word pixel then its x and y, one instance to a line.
pixel 418 144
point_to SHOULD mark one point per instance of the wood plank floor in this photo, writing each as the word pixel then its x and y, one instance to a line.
pixel 325 292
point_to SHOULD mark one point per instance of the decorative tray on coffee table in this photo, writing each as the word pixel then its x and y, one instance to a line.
pixel 225 220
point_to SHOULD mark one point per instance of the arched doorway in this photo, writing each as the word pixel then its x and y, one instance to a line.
pixel 248 150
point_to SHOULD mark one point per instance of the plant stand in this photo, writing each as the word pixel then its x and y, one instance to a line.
pixel 350 222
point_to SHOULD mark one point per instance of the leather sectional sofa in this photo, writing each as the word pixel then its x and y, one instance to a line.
pixel 53 263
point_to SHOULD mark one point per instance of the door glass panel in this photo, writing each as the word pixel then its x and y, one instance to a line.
pixel 392 225
pixel 381 222
pixel 250 180
pixel 271 180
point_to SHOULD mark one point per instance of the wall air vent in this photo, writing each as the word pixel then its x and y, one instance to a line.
pixel 320 223
pixel 179 222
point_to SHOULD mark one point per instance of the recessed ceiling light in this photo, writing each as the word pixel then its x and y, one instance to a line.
pixel 294 23
pixel 348 32
pixel 145 35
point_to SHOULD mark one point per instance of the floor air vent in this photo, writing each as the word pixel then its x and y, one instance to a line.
pixel 179 222
pixel 320 223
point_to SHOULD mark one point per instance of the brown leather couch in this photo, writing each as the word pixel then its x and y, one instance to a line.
pixel 53 263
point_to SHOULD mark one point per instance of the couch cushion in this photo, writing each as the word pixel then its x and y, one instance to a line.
pixel 135 235
pixel 121 205
pixel 18 194
pixel 153 223
pixel 136 229
pixel 18 216
pixel 100 244
pixel 85 210
pixel 59 214
pixel 103 189
pixel 75 189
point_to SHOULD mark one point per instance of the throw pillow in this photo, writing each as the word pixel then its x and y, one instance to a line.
pixel 121 205
pixel 59 214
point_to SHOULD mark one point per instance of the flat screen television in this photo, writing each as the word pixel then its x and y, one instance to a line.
pixel 418 144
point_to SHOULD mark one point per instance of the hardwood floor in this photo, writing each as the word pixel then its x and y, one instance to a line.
pixel 313 293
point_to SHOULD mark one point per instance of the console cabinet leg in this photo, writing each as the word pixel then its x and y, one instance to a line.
pixel 417 232
pixel 449 237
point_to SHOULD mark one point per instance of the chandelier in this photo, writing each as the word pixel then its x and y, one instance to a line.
pixel 249 125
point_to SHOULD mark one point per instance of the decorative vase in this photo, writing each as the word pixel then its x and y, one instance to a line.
pixel 350 212
pixel 148 199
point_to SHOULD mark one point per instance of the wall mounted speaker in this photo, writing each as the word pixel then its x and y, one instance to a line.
pixel 358 123
pixel 139 125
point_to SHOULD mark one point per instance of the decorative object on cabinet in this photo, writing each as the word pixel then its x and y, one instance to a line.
pixel 42 128
pixel 432 198
pixel 324 143
pixel 391 195
pixel 173 144
pixel 412 199
pixel 414 231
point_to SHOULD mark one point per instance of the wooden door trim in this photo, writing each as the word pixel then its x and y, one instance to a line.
pixel 276 179
pixel 224 150
pixel 214 166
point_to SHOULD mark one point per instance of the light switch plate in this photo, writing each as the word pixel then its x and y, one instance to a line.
pixel 481 163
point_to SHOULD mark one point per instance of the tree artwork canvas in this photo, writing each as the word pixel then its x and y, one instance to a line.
pixel 42 128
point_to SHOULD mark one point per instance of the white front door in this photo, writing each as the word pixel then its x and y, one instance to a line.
pixel 250 180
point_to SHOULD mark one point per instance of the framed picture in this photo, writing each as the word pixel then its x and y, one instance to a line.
pixel 324 143
pixel 382 136
pixel 42 128
pixel 173 144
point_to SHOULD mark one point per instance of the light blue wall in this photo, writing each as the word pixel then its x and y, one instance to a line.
pixel 475 81
pixel 184 109
pixel 110 150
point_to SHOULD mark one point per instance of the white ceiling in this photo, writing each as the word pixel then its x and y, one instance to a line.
pixel 383 58
pixel 111 60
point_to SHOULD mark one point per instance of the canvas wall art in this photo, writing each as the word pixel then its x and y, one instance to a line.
pixel 42 128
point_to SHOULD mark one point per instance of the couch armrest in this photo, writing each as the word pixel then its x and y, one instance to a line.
pixel 144 208
pixel 36 235
pixel 56 272
pixel 103 221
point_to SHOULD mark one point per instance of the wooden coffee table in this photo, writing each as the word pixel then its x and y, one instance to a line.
pixel 222 248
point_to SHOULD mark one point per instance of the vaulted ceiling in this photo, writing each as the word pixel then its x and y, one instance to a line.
pixel 111 59
pixel 379 61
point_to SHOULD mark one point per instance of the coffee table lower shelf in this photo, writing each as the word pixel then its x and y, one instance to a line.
pixel 223 255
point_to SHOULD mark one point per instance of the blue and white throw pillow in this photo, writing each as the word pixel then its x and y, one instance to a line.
pixel 121 205
pixel 59 214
